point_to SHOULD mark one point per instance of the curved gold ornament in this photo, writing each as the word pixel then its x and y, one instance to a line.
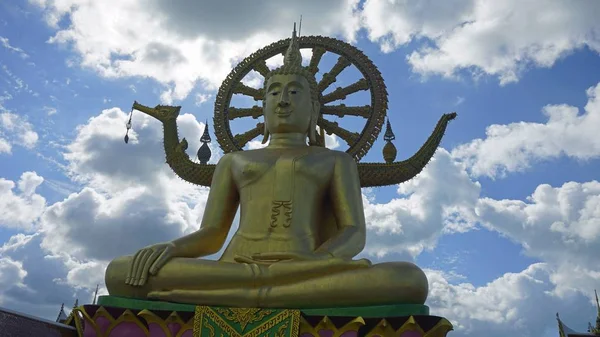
pixel 370 174
pixel 409 325
pixel 440 329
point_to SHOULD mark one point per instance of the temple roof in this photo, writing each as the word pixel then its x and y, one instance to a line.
pixel 62 316
pixel 565 331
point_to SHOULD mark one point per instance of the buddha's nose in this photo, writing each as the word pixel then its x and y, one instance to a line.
pixel 283 102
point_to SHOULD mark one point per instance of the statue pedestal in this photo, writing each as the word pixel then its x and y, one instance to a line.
pixel 116 317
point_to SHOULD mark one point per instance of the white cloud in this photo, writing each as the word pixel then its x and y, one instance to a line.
pixel 256 144
pixel 560 225
pixel 515 304
pixel 499 38
pixel 11 272
pixel 331 141
pixel 178 49
pixel 17 83
pixel 50 110
pixel 18 130
pixel 5 146
pixel 34 287
pixel 21 209
pixel 130 199
pixel 202 98
pixel 6 44
pixel 129 190
pixel 440 199
pixel 514 147
pixel 459 100
pixel 6 96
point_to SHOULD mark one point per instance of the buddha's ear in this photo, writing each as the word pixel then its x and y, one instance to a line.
pixel 316 107
pixel 314 117
pixel 266 130
pixel 266 133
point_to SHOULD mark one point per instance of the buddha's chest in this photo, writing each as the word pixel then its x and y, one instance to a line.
pixel 283 172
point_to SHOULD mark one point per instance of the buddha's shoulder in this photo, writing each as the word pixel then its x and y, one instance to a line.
pixel 342 157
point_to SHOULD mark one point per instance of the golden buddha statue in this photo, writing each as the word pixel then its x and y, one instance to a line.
pixel 301 221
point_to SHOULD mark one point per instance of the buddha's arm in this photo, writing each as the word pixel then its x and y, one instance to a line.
pixel 346 200
pixel 221 206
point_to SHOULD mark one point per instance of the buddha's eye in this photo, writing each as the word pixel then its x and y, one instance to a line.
pixel 274 93
pixel 293 92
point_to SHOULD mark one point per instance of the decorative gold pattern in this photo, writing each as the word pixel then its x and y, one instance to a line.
pixel 281 213
pixel 222 321
pixel 244 316
pixel 383 328
pixel 276 326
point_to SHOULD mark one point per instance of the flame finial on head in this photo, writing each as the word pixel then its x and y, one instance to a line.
pixel 292 57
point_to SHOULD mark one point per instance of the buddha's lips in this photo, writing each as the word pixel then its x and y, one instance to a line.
pixel 283 113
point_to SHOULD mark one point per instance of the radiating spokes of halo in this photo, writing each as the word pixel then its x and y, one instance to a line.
pixel 332 110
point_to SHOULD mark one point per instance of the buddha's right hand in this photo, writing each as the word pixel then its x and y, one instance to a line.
pixel 148 261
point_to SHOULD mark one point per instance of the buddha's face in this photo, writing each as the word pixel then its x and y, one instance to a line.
pixel 288 104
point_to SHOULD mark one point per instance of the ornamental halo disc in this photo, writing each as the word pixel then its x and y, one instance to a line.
pixel 374 114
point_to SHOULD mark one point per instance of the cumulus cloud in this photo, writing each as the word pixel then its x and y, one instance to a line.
pixel 11 273
pixel 499 38
pixel 130 199
pixel 515 304
pixel 32 284
pixel 440 199
pixel 198 42
pixel 21 208
pixel 129 190
pixel 560 225
pixel 516 146
pixel 557 225
pixel 186 43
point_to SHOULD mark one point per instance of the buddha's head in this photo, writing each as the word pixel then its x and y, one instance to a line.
pixel 291 103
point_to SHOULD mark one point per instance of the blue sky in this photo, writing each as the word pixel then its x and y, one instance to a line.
pixel 506 250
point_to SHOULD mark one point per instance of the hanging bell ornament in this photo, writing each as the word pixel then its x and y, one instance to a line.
pixel 128 126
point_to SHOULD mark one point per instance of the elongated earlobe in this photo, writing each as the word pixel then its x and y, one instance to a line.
pixel 265 134
pixel 312 129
